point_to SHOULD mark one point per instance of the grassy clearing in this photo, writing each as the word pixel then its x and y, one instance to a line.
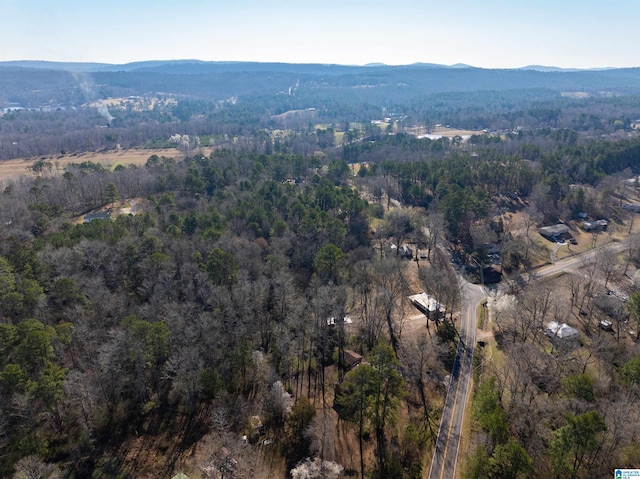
pixel 482 315
pixel 108 159
pixel 540 251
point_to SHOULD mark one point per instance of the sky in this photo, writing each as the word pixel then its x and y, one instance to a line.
pixel 481 33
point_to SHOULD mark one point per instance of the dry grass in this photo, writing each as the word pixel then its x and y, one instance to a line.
pixel 441 130
pixel 109 159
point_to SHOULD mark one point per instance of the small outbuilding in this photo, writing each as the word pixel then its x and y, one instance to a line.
pixel 606 325
pixel 97 215
pixel 598 225
pixel 631 207
pixel 351 359
pixel 332 321
pixel 406 252
pixel 561 331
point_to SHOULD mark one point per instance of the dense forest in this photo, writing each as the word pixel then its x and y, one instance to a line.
pixel 218 291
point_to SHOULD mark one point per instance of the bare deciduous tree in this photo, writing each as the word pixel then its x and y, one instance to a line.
pixel 608 265
pixel 316 469
pixel 391 289
pixel 434 229
pixel 32 467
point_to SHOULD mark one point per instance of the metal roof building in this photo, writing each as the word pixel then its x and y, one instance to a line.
pixel 561 331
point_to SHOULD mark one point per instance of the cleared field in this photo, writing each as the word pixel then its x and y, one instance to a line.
pixel 109 159
pixel 441 131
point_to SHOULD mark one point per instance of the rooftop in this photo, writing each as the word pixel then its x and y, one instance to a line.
pixel 562 331
pixel 425 302
pixel 554 230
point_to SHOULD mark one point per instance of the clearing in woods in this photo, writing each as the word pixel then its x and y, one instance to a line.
pixel 109 159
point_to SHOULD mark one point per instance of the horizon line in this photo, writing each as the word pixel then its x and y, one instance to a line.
pixel 353 65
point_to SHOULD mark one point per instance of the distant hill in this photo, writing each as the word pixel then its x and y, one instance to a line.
pixel 204 68
pixel 199 67
pixel 149 64
pixel 190 66
pixel 35 83
pixel 542 68
pixel 64 66
pixel 93 67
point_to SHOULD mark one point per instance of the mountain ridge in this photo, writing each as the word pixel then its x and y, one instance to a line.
pixel 201 66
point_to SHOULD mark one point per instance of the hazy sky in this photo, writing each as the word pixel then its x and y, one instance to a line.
pixel 483 33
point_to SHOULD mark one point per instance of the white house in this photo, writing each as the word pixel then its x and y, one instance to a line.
pixel 427 305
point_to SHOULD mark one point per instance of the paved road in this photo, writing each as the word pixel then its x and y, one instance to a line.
pixel 445 457
pixel 577 261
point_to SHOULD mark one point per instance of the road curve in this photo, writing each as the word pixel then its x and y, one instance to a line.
pixel 445 456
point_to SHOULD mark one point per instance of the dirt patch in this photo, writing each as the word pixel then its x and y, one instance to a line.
pixel 133 206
